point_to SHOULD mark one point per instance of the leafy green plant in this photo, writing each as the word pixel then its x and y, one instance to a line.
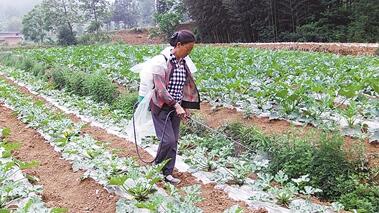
pixel 265 180
pixel 202 159
pixel 96 85
pixel 240 172
pixel 58 75
pixel 250 136
pixel 234 209
pixel 194 128
pixel 8 59
pixel 329 162
pixel 38 69
pixel 141 188
pixel 309 191
pixel 75 83
pixel 364 198
pixel 301 181
pixel 26 64
pixel 292 155
pixel 94 38
pixel 5 132
pixel 187 142
pixel 284 196
pixel 101 88
pixel 281 177
pixel 183 202
pixel 351 113
pixel 152 204
pixel 125 103
pixel 337 207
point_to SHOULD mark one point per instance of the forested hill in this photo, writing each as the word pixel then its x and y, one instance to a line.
pixel 286 20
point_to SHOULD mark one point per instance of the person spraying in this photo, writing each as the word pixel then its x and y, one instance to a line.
pixel 168 90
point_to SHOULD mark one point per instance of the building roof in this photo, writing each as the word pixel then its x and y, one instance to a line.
pixel 10 33
pixel 4 37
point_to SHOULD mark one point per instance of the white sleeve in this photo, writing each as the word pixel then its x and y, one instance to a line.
pixel 156 65
pixel 190 64
pixel 146 83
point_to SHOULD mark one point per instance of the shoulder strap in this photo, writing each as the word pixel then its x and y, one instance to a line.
pixel 165 57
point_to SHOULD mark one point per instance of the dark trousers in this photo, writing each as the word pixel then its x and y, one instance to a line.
pixel 169 144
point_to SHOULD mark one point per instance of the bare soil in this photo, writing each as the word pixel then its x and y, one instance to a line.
pixel 135 37
pixel 142 37
pixel 61 186
pixel 336 48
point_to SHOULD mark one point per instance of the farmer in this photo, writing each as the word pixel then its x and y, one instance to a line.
pixel 174 91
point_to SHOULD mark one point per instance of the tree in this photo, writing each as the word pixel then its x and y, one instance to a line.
pixel 285 20
pixel 247 17
pixel 169 15
pixel 61 14
pixel 146 11
pixel 97 11
pixel 365 22
pixel 162 6
pixel 34 25
pixel 125 11
pixel 65 37
pixel 213 19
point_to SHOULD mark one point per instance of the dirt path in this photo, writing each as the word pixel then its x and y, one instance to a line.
pixel 335 48
pixel 135 37
pixel 142 38
pixel 61 186
pixel 215 200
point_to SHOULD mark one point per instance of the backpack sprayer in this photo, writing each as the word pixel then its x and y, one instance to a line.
pixel 148 84
pixel 163 133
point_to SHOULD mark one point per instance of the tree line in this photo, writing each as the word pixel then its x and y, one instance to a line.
pixel 285 20
pixel 64 19
pixel 215 20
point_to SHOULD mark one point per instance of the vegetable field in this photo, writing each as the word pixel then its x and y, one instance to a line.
pixel 80 100
pixel 310 88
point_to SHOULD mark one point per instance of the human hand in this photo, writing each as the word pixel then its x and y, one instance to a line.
pixel 188 112
pixel 180 112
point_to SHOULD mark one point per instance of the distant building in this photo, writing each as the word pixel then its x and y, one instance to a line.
pixel 11 38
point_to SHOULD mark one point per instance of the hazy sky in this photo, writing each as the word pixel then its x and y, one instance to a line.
pixel 12 11
pixel 16 7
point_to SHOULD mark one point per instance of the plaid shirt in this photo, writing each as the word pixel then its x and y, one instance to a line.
pixel 179 75
pixel 161 96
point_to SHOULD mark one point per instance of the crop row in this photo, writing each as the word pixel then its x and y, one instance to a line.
pixel 135 184
pixel 209 155
pixel 322 89
pixel 17 194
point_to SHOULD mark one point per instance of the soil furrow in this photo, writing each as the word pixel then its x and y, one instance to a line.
pixel 62 187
